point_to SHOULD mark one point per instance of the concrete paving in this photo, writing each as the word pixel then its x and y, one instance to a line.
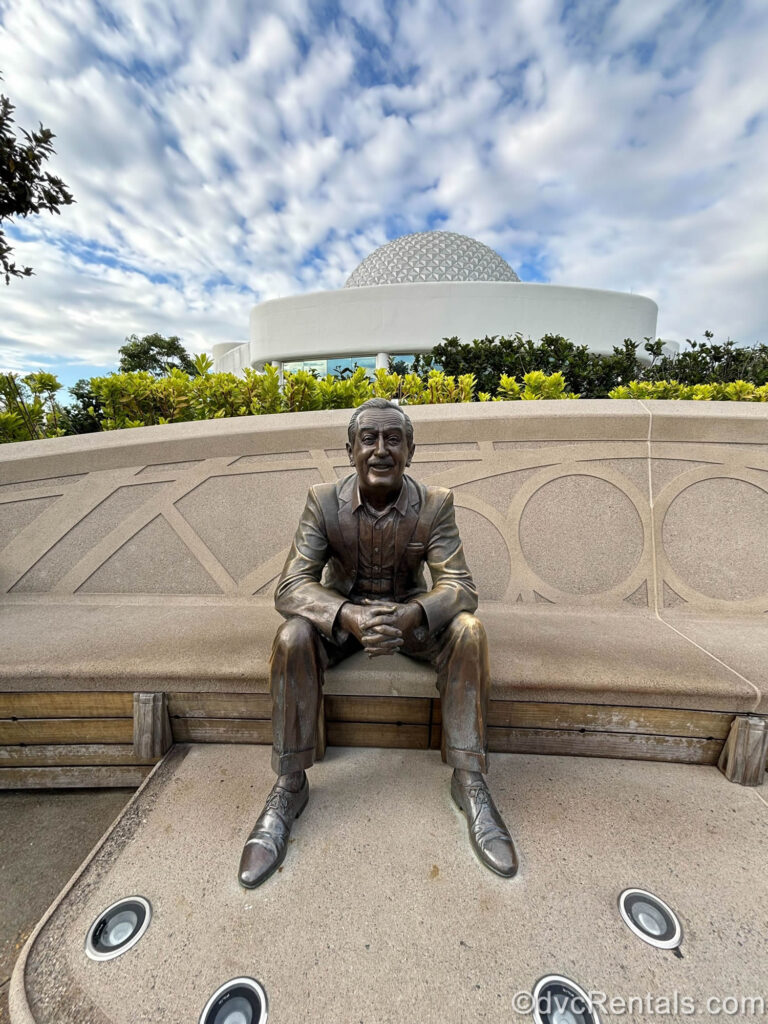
pixel 45 835
pixel 382 914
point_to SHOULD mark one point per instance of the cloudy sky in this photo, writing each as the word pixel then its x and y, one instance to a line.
pixel 225 153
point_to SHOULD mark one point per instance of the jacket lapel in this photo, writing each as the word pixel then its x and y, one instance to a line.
pixel 407 524
pixel 348 525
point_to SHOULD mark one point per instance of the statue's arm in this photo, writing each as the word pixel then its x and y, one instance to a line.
pixel 453 589
pixel 299 591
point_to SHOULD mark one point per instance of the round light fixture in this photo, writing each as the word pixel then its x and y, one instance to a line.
pixel 240 1001
pixel 650 918
pixel 558 1000
pixel 118 928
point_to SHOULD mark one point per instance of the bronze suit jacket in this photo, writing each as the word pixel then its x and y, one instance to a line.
pixel 321 567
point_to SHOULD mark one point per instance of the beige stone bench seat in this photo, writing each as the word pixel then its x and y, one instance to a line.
pixel 541 653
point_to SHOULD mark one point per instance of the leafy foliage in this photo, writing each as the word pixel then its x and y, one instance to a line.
pixel 28 408
pixel 155 354
pixel 125 400
pixel 593 375
pixel 24 187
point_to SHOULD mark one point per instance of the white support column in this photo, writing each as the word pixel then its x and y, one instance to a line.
pixel 382 360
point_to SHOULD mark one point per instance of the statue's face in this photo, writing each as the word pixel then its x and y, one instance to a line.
pixel 380 453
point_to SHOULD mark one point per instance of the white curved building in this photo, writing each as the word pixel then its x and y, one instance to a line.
pixel 409 294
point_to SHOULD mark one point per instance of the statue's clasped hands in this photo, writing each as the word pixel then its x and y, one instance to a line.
pixel 380 626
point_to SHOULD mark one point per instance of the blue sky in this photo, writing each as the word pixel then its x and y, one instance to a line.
pixel 225 154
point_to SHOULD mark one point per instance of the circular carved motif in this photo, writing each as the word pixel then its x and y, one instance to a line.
pixel 486 553
pixel 714 535
pixel 581 534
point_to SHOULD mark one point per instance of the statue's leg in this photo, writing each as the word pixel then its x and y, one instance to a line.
pixel 298 661
pixel 300 656
pixel 463 679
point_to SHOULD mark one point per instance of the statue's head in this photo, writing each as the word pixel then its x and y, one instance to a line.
pixel 380 446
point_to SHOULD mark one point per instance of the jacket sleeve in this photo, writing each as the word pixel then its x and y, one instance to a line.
pixel 299 591
pixel 453 589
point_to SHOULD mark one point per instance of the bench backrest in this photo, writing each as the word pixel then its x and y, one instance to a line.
pixel 633 504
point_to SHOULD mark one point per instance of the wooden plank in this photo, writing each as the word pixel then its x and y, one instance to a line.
pixel 66 730
pixel 609 718
pixel 219 705
pixel 65 704
pixel 408 710
pixel 81 777
pixel 686 749
pixel 742 759
pixel 151 725
pixel 71 754
pixel 378 734
pixel 221 730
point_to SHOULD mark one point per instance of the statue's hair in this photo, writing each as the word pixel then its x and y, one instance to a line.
pixel 379 403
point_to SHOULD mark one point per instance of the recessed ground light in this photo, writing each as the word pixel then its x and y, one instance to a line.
pixel 118 928
pixel 240 1001
pixel 650 918
pixel 558 1000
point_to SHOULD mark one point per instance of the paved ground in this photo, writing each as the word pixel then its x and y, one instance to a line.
pixel 44 836
pixel 381 914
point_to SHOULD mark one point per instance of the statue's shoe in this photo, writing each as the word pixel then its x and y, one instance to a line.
pixel 487 832
pixel 266 846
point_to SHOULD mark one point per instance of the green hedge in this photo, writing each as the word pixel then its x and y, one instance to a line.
pixel 28 407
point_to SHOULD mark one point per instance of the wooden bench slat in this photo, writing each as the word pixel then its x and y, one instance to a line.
pixel 50 755
pixel 130 776
pixel 66 730
pixel 605 718
pixel 66 704
pixel 221 730
pixel 378 734
pixel 408 710
pixel 219 705
pixel 635 746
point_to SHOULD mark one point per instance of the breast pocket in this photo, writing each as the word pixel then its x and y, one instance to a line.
pixel 415 552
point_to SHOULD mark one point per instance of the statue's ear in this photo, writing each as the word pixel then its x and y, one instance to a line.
pixel 349 453
pixel 411 450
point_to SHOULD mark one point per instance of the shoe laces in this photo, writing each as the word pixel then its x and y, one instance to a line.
pixel 278 801
pixel 479 796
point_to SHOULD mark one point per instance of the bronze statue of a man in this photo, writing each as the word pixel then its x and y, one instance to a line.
pixel 354 581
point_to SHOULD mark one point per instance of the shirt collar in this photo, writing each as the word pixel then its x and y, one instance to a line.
pixel 401 505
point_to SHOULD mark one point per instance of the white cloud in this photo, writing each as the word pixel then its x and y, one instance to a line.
pixel 220 160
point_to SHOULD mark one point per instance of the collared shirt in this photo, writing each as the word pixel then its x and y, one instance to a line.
pixel 376 545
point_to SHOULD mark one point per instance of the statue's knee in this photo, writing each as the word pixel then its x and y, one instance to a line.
pixel 467 627
pixel 295 632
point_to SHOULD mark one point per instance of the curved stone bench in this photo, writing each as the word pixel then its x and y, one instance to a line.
pixel 618 547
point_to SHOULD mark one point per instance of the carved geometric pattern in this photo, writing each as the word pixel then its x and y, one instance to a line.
pixel 581 534
pixel 639 597
pixel 543 521
pixel 715 536
pixel 235 516
pixel 431 256
pixel 155 561
pixel 46 572
pixel 15 516
pixel 670 598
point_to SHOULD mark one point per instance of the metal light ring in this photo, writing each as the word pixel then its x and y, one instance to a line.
pixel 560 979
pixel 96 954
pixel 250 983
pixel 672 943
